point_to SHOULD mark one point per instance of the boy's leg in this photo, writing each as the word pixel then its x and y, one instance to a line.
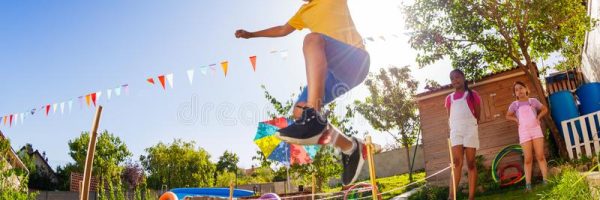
pixel 316 69
pixel 353 152
pixel 310 123
pixel 332 68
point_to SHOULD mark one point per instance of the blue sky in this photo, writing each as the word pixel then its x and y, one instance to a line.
pixel 54 51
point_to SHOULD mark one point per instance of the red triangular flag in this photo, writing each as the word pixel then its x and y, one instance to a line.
pixel 11 116
pixel 150 80
pixel 161 78
pixel 93 95
pixel 47 109
pixel 253 61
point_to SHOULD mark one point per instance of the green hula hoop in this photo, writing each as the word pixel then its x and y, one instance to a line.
pixel 511 148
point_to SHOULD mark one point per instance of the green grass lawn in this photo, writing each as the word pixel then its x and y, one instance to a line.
pixel 390 183
pixel 515 193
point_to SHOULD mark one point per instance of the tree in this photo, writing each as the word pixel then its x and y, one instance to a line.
pixel 482 36
pixel 133 175
pixel 64 176
pixel 110 153
pixel 225 178
pixel 109 156
pixel 392 106
pixel 227 163
pixel 262 160
pixel 179 164
pixel 263 174
pixel 13 181
pixel 431 84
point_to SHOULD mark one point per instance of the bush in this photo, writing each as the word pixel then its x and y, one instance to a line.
pixel 430 193
pixel 484 177
pixel 569 184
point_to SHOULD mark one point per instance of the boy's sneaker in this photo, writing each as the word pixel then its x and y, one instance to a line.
pixel 305 131
pixel 353 163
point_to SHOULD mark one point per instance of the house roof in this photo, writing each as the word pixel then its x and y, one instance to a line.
pixel 36 154
pixel 14 155
pixel 483 80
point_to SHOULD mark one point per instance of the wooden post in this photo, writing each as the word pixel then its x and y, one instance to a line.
pixel 89 159
pixel 231 190
pixel 314 182
pixel 452 168
pixel 372 167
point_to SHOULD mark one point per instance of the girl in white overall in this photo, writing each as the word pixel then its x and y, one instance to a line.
pixel 463 107
pixel 524 111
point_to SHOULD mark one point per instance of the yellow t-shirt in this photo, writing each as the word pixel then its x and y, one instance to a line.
pixel 328 17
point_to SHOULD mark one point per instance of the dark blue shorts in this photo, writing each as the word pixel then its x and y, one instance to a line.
pixel 347 67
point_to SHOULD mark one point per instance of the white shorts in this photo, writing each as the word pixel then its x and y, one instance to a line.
pixel 465 133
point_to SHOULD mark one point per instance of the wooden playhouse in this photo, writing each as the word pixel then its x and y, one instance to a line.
pixel 495 132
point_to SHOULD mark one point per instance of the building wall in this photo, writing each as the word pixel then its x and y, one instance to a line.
pixel 76 179
pixel 41 165
pixel 591 50
pixel 495 132
pixel 391 163
pixel 274 187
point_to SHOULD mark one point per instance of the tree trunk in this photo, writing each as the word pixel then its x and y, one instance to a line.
pixel 407 148
pixel 531 72
pixel 319 183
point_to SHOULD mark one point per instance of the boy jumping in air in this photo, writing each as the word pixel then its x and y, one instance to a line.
pixel 336 61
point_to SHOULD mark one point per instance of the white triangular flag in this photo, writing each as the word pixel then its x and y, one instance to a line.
pixel 108 93
pixel 70 105
pixel 284 54
pixel 22 117
pixel 17 118
pixel 118 91
pixel 98 94
pixel 204 70
pixel 190 74
pixel 54 107
pixel 62 107
pixel 170 80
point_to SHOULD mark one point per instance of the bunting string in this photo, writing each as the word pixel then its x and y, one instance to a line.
pixel 93 99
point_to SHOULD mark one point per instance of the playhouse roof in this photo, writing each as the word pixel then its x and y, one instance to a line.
pixel 485 79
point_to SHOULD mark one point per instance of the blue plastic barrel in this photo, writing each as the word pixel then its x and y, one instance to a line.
pixel 589 97
pixel 563 107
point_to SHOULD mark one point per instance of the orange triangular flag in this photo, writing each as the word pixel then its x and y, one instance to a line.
pixel 5 120
pixel 150 80
pixel 87 100
pixel 161 78
pixel 253 61
pixel 224 65
pixel 93 98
